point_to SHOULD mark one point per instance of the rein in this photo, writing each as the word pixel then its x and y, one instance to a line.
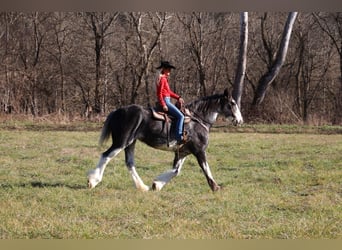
pixel 198 119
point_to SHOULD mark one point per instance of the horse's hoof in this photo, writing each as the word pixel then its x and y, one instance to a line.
pixel 217 188
pixel 92 183
pixel 143 188
pixel 156 186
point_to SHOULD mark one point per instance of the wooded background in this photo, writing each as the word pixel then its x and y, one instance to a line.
pixel 82 64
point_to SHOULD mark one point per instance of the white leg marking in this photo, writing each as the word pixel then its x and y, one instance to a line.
pixel 206 168
pixel 95 175
pixel 238 116
pixel 161 180
pixel 164 178
pixel 213 185
pixel 139 184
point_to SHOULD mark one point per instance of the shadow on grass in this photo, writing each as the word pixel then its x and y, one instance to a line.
pixel 39 184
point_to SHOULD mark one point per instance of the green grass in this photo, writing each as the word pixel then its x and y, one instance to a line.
pixel 276 186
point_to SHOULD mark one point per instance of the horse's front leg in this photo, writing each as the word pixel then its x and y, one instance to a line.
pixel 160 181
pixel 202 161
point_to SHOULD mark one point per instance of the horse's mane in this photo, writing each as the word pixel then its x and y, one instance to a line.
pixel 204 104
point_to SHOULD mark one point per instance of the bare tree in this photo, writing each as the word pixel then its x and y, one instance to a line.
pixel 69 63
pixel 99 23
pixel 268 78
pixel 194 29
pixel 242 61
pixel 148 28
pixel 331 24
pixel 314 58
pixel 30 54
pixel 57 50
pixel 6 89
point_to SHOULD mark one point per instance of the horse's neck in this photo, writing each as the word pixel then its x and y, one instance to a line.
pixel 204 111
pixel 208 117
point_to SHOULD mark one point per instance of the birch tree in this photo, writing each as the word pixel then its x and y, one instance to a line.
pixel 266 80
pixel 242 61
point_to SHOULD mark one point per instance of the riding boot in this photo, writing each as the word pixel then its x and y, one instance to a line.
pixel 184 138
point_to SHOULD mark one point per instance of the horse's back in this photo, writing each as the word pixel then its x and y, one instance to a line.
pixel 122 122
pixel 124 116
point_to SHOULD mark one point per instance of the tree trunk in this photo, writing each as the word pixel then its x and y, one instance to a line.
pixel 269 77
pixel 194 28
pixel 336 38
pixel 99 24
pixel 241 67
pixel 97 97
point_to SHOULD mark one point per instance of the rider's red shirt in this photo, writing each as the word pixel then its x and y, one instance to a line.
pixel 163 90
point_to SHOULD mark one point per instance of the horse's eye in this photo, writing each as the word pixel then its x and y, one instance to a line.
pixel 232 103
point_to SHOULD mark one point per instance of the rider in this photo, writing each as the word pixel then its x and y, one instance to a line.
pixel 164 95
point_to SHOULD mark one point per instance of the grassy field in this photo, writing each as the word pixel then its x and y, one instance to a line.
pixel 276 186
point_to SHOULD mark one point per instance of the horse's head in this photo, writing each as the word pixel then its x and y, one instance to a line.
pixel 230 108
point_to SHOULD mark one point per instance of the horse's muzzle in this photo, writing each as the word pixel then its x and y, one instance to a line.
pixel 237 119
pixel 237 122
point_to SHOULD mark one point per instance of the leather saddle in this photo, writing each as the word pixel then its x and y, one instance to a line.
pixel 159 114
pixel 163 116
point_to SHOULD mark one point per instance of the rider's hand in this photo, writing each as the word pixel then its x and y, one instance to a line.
pixel 165 108
pixel 181 100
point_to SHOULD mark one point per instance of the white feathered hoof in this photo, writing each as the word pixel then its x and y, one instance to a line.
pixel 142 187
pixel 146 189
pixel 92 183
pixel 93 180
pixel 157 186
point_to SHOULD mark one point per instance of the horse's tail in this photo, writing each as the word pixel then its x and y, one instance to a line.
pixel 106 130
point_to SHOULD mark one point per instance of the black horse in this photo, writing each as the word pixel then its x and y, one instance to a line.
pixel 128 124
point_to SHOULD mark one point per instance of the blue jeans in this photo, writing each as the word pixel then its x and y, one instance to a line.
pixel 174 111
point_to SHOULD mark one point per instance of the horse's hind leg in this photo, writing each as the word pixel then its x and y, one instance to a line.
pixel 95 176
pixel 129 157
